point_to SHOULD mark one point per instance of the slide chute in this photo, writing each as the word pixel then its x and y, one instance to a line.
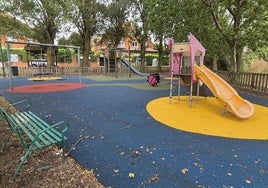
pixel 225 93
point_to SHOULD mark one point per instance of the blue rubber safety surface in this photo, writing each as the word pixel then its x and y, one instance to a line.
pixel 123 138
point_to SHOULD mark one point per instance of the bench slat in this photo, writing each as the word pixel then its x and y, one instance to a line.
pixel 48 134
pixel 21 124
pixel 34 126
pixel 54 132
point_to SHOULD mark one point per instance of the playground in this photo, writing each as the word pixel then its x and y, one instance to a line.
pixel 124 138
pixel 133 134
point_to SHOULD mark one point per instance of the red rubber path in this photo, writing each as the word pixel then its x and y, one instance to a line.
pixel 53 87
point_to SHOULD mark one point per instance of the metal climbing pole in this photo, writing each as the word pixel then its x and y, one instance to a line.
pixel 171 71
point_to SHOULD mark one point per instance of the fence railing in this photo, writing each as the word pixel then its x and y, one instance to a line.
pixel 59 71
pixel 85 71
pixel 65 71
pixel 255 82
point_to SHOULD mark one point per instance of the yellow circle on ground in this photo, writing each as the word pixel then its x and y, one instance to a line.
pixel 205 117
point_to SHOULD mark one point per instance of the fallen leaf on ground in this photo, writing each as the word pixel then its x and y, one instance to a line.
pixel 184 171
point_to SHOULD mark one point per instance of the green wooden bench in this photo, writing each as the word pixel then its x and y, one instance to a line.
pixel 33 132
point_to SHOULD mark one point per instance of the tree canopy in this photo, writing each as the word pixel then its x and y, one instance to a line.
pixel 241 25
pixel 227 28
pixel 86 16
pixel 115 24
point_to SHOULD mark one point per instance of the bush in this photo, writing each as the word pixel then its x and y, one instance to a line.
pixel 93 57
pixel 149 59
pixel 65 55
pixel 165 60
pixel 21 53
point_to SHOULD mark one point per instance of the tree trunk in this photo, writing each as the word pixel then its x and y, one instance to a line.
pixel 50 56
pixel 233 56
pixel 86 49
pixel 239 59
pixel 143 53
pixel 214 64
pixel 51 50
pixel 160 54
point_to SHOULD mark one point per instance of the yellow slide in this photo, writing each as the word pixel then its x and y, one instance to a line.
pixel 230 99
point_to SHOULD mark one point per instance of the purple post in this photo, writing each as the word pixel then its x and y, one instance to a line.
pixel 195 47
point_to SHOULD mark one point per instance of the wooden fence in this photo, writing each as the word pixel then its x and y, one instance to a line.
pixel 59 71
pixel 85 71
pixel 255 82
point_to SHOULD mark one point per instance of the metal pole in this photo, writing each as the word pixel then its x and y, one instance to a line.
pixel 108 65
pixel 2 58
pixel 198 90
pixel 9 66
pixel 79 63
pixel 179 77
pixel 179 87
pixel 171 74
pixel 129 64
pixel 120 63
pixel 115 63
pixel 191 93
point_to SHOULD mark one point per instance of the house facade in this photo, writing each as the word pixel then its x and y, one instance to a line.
pixel 127 47
pixel 19 62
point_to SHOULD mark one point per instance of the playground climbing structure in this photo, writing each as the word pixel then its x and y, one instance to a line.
pixel 186 60
pixel 183 56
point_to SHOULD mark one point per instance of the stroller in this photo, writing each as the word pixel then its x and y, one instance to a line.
pixel 153 79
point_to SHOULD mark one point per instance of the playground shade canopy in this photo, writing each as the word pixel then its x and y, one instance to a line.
pixel 224 93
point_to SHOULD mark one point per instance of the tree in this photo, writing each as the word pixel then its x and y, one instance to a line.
pixel 241 23
pixel 12 27
pixel 140 27
pixel 195 18
pixel 115 23
pixel 179 18
pixel 74 40
pixel 86 16
pixel 162 21
pixel 44 17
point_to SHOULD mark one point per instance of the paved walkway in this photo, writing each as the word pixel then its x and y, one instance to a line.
pixel 124 138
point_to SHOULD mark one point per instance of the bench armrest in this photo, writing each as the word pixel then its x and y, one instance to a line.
pixel 36 137
pixel 26 106
pixel 61 123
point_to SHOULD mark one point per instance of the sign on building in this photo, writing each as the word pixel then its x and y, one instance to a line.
pixel 14 58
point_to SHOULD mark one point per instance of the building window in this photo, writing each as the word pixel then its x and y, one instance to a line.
pixel 134 44
pixel 121 43
pixel 147 44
